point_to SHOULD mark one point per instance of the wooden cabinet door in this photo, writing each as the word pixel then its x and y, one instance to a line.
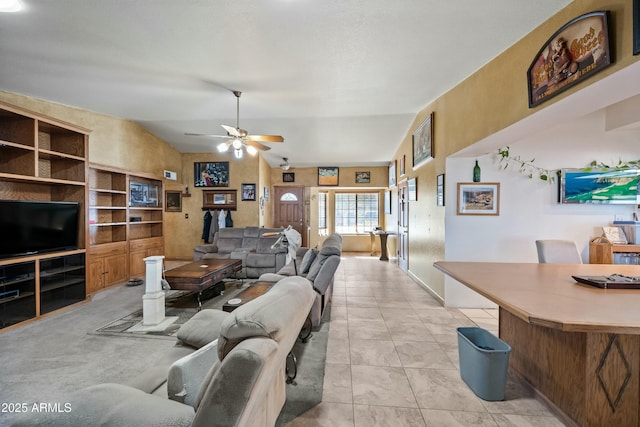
pixel 115 269
pixel 96 278
pixel 137 266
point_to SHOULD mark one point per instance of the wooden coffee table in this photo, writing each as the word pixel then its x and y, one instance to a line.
pixel 252 292
pixel 199 276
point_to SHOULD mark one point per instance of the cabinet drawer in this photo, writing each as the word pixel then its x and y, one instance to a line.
pixel 108 249
pixel 143 244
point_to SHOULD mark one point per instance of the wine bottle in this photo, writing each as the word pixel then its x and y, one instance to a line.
pixel 476 173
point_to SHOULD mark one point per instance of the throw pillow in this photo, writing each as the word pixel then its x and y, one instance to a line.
pixel 202 328
pixel 307 260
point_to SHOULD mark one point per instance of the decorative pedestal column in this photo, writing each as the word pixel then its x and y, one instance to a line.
pixel 153 318
pixel 153 298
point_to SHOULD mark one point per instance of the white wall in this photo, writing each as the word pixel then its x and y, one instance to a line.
pixel 528 207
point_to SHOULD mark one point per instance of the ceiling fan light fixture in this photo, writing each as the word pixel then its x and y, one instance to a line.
pixel 237 144
pixel 238 153
pixel 251 150
pixel 223 147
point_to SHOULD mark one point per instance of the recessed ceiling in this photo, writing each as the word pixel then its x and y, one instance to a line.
pixel 341 80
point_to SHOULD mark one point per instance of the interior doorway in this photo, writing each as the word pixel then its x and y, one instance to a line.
pixel 403 226
pixel 289 209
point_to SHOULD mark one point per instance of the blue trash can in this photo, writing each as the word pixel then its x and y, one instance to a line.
pixel 484 361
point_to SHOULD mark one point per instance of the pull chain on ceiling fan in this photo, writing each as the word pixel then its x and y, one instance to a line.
pixel 239 138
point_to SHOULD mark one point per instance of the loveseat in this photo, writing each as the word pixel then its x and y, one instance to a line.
pixel 319 267
pixel 248 244
pixel 237 379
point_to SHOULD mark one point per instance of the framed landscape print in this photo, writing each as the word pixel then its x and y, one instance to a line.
pixel 423 142
pixel 478 198
pixel 363 177
pixel 328 176
pixel 288 177
pixel 211 174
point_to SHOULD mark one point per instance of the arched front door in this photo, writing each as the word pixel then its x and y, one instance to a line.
pixel 289 209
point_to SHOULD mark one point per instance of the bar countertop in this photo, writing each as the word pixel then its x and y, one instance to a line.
pixel 547 295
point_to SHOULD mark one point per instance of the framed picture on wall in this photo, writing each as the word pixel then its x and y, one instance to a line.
pixel 387 202
pixel 248 192
pixel 173 201
pixel 288 177
pixel 211 174
pixel 575 52
pixel 412 185
pixel 440 190
pixel 363 177
pixel 478 198
pixel 422 141
pixel 392 174
pixel 328 176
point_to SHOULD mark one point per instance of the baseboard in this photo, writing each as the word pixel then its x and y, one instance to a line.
pixel 426 287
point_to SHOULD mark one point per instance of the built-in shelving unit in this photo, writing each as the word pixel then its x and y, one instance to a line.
pixel 125 224
pixel 42 159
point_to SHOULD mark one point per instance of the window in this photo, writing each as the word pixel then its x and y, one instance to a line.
pixel 356 212
pixel 322 214
pixel 288 197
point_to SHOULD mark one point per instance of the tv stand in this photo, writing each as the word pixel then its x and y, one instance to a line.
pixel 43 159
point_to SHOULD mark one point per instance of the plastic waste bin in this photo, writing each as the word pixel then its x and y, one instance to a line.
pixel 484 361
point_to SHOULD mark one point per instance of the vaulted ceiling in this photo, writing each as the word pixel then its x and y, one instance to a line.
pixel 340 80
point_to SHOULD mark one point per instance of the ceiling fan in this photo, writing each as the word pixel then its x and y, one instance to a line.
pixel 285 166
pixel 239 138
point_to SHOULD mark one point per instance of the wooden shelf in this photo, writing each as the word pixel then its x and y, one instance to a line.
pixel 112 259
pixel 43 159
pixel 602 251
pixel 219 199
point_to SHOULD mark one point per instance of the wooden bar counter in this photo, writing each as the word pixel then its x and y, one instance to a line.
pixel 578 345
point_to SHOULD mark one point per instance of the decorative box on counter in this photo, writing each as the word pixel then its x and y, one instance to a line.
pixel 631 230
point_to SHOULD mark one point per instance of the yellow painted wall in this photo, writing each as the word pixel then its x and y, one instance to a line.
pixel 489 100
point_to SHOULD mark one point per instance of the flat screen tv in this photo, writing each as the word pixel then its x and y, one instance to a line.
pixel 603 187
pixel 32 227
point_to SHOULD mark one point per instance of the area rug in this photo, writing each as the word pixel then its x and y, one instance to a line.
pixel 180 304
pixel 303 393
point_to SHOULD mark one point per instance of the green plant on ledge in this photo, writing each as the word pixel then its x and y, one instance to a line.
pixel 527 167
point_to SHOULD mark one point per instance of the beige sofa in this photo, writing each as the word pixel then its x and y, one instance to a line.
pixel 248 244
pixel 236 380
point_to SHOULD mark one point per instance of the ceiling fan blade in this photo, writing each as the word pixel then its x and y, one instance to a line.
pixel 209 135
pixel 266 138
pixel 257 145
pixel 232 131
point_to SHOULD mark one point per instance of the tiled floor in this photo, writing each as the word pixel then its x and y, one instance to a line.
pixel 392 359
